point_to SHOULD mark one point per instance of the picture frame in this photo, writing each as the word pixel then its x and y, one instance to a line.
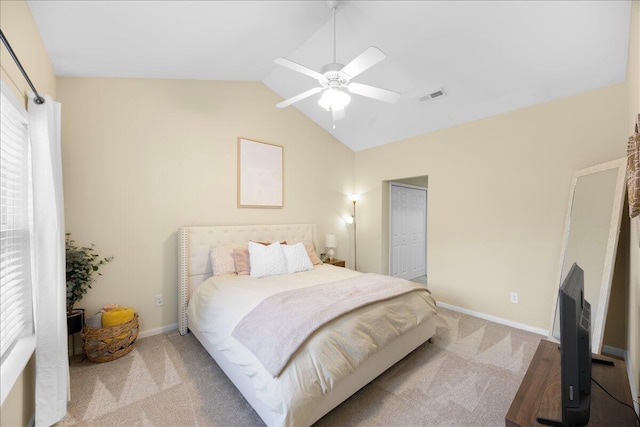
pixel 260 174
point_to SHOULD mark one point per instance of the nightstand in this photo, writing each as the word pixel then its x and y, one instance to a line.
pixel 336 262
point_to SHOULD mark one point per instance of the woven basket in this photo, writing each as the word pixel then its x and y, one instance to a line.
pixel 103 345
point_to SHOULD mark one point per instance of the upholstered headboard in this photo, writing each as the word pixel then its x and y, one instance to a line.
pixel 195 243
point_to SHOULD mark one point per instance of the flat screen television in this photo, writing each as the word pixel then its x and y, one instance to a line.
pixel 575 351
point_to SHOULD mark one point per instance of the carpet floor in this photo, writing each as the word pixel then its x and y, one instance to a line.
pixel 467 376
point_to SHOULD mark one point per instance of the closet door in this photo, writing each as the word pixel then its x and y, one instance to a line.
pixel 408 233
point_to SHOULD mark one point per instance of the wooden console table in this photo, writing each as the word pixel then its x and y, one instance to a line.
pixel 539 394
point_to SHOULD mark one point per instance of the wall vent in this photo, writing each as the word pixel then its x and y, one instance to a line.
pixel 435 94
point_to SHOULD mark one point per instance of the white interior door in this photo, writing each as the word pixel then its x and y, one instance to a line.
pixel 408 231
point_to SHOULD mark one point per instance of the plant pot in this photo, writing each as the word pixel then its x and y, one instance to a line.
pixel 75 321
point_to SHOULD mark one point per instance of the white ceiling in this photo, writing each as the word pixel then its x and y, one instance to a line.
pixel 489 56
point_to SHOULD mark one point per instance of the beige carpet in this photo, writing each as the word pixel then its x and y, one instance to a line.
pixel 466 377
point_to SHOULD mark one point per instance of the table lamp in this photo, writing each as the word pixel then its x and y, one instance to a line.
pixel 330 242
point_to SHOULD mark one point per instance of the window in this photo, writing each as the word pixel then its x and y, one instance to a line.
pixel 16 317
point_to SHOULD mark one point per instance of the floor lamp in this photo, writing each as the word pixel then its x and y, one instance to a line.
pixel 354 198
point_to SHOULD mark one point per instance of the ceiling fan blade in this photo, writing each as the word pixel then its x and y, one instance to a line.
pixel 299 97
pixel 374 92
pixel 337 114
pixel 299 68
pixel 363 62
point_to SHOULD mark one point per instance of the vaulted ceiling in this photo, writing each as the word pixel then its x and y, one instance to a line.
pixel 490 57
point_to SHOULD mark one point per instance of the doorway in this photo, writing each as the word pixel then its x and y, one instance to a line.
pixel 407 231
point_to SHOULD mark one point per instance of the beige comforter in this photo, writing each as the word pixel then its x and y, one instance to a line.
pixel 329 355
pixel 276 328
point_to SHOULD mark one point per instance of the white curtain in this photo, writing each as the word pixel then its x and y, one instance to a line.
pixel 52 363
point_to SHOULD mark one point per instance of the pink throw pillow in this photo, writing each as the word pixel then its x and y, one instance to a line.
pixel 311 251
pixel 241 258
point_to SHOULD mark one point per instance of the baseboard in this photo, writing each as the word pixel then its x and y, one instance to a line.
pixel 614 351
pixel 539 331
pixel 632 383
pixel 158 331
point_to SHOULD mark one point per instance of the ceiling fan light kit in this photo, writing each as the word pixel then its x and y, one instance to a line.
pixel 334 99
pixel 334 77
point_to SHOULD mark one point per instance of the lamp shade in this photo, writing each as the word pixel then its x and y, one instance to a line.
pixel 330 241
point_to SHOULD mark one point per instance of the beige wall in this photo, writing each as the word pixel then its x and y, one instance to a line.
pixel 18 408
pixel 20 30
pixel 633 81
pixel 616 324
pixel 144 157
pixel 498 191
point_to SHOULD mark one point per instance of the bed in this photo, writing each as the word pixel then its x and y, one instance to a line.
pixel 315 379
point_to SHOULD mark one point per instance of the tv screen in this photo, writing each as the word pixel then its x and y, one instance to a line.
pixel 575 351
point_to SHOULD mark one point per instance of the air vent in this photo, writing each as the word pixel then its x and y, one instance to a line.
pixel 435 94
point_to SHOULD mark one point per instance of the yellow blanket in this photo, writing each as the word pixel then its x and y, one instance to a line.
pixel 115 317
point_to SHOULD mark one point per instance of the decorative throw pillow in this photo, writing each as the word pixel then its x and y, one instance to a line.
pixel 297 258
pixel 241 258
pixel 267 260
pixel 222 260
pixel 311 251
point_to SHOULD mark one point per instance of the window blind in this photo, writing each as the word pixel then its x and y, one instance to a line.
pixel 16 318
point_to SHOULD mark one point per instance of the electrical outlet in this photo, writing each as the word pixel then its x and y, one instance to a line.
pixel 514 297
pixel 159 300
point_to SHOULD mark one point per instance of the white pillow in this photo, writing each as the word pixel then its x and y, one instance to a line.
pixel 297 258
pixel 222 261
pixel 267 260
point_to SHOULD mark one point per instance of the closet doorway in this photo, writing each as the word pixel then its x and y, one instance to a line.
pixel 407 230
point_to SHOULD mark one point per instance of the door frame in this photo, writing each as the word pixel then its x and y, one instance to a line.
pixel 426 213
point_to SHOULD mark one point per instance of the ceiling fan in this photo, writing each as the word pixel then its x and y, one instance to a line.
pixel 334 78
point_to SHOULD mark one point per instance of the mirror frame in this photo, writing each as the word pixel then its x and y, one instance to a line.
pixel 597 322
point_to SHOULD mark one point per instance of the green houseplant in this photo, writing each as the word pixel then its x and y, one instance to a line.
pixel 83 264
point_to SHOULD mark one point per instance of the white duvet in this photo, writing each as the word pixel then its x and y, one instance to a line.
pixel 331 354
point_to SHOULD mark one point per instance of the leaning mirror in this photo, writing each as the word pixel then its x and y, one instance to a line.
pixel 591 239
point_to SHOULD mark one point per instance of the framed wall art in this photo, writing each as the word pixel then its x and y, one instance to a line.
pixel 260 174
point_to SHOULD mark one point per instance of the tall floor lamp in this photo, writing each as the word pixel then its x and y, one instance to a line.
pixel 354 198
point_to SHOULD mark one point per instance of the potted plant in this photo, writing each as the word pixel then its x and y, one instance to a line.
pixel 83 264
